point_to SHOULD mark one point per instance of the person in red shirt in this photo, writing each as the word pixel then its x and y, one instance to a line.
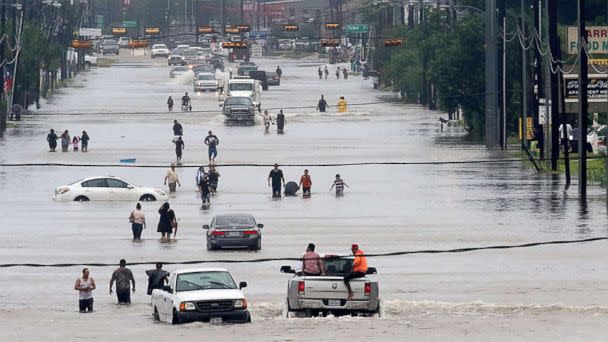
pixel 359 268
pixel 305 183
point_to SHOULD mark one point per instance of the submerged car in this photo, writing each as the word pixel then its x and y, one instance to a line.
pixel 108 188
pixel 236 230
pixel 273 78
pixel 204 294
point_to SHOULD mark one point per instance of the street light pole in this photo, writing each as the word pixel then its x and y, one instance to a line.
pixel 582 102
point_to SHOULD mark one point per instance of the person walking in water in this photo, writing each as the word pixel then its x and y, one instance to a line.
pixel 326 72
pixel 212 141
pixel 123 278
pixel 178 130
pixel 166 222
pixel 85 285
pixel 320 73
pixel 342 105
pixel 345 73
pixel 85 141
pixel 186 103
pixel 157 278
pixel 322 105
pixel 75 141
pixel 339 185
pixel 51 138
pixel 179 146
pixel 276 176
pixel 305 183
pixel 279 72
pixel 205 190
pixel 65 141
pixel 267 122
pixel 170 104
pixel 138 222
pixel 172 178
pixel 214 178
pixel 280 122
pixel 338 73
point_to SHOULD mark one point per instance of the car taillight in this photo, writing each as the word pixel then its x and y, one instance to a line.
pixel 367 289
pixel 250 232
pixel 217 233
pixel 301 288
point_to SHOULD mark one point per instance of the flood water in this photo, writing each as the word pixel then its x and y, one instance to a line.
pixel 541 293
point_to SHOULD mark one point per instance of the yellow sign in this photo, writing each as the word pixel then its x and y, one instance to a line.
pixel 529 129
pixel 598 61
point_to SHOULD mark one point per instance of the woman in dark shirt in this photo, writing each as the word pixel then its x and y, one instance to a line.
pixel 166 221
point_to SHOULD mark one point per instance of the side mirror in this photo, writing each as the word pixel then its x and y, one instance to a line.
pixel 371 270
pixel 167 288
pixel 242 284
pixel 287 269
pixel 221 105
pixel 205 226
pixel 129 186
pixel 260 225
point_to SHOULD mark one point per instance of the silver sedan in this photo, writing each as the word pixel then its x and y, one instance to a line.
pixel 234 230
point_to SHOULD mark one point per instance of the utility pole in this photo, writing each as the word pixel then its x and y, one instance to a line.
pixel 538 83
pixel 491 70
pixel 524 81
pixel 582 102
pixel 241 19
pixel 2 58
pixel 553 77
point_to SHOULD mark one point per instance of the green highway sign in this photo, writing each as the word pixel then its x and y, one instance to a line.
pixel 357 28
pixel 129 23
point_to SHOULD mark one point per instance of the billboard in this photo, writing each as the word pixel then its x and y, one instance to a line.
pixel 89 32
pixel 597 88
pixel 597 39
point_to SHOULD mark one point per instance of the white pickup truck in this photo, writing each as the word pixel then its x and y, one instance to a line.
pixel 326 294
pixel 243 86
pixel 202 294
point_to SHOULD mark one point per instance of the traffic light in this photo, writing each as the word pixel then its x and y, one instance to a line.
pixel 234 45
pixel 330 42
pixel 393 42
pixel 243 28
pixel 232 30
pixel 119 31
pixel 152 30
pixel 134 44
pixel 290 28
pixel 332 26
pixel 206 29
pixel 81 44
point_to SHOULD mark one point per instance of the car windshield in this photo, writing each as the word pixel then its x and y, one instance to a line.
pixel 241 86
pixel 159 46
pixel 204 281
pixel 238 101
pixel 180 69
pixel 232 221
pixel 205 77
pixel 190 53
pixel 338 265
pixel 109 41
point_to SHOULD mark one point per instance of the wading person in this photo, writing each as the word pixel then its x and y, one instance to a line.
pixel 123 277
pixel 85 285
pixel 214 178
pixel 320 73
pixel 75 142
pixel 305 183
pixel 276 176
pixel 280 122
pixel 138 222
pixel 279 72
pixel 326 72
pixel 170 103
pixel 322 105
pixel 186 103
pixel 339 185
pixel 199 175
pixel 212 141
pixel 166 222
pixel 359 268
pixel 51 138
pixel 85 141
pixel 157 278
pixel 338 73
pixel 178 130
pixel 312 265
pixel 342 105
pixel 172 178
pixel 65 141
pixel 267 122
pixel 205 190
pixel 345 73
pixel 179 146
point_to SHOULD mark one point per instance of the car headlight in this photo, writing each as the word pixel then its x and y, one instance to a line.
pixel 186 306
pixel 240 304
pixel 63 190
pixel 159 192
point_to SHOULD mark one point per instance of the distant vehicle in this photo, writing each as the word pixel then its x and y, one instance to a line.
pixel 203 68
pixel 245 86
pixel 240 230
pixel 261 76
pixel 108 188
pixel 205 81
pixel 123 42
pixel 217 62
pixel 189 55
pixel 175 59
pixel 201 294
pixel 177 71
pixel 244 69
pixel 159 50
pixel 273 78
pixel 326 294
pixel 238 110
pixel 181 48
pixel 90 61
pixel 109 46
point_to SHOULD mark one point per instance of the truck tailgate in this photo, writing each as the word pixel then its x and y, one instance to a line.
pixel 332 287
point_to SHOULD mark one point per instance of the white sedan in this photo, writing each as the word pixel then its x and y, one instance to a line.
pixel 107 189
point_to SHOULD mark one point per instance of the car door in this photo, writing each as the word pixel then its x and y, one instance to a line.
pixel 98 189
pixel 166 309
pixel 120 191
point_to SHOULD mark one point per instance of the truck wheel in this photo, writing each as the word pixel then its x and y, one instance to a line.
pixel 175 319
pixel 379 311
pixel 285 311
pixel 156 316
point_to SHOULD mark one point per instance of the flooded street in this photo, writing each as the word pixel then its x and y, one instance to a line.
pixel 559 291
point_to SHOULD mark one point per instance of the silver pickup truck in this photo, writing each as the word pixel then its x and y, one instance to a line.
pixel 326 294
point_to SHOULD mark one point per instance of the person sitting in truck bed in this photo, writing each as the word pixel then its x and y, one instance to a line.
pixel 312 265
pixel 359 268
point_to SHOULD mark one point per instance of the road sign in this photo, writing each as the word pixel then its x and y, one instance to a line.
pixel 256 50
pixel 99 20
pixel 89 32
pixel 129 23
pixel 357 28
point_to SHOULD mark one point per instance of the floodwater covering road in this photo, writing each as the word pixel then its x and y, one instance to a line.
pixel 542 293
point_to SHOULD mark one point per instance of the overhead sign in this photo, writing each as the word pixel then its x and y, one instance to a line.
pixel 357 28
pixel 89 32
pixel 597 39
pixel 129 23
pixel 152 30
pixel 597 88
pixel 118 31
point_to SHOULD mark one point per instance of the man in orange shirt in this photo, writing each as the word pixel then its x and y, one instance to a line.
pixel 305 183
pixel 359 268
